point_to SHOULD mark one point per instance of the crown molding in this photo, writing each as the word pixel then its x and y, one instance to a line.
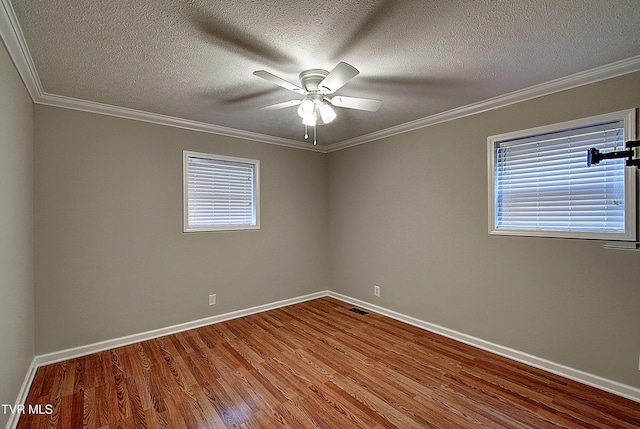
pixel 618 68
pixel 18 50
pixel 16 45
pixel 155 118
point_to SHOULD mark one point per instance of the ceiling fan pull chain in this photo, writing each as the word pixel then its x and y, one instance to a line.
pixel 314 135
pixel 306 135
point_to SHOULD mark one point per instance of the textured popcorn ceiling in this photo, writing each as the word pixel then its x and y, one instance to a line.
pixel 194 59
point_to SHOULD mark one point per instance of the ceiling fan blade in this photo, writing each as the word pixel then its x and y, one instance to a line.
pixel 282 105
pixel 340 75
pixel 356 103
pixel 278 81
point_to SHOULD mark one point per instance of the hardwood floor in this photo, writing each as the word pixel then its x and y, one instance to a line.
pixel 314 364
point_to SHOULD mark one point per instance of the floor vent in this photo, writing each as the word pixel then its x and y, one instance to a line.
pixel 358 311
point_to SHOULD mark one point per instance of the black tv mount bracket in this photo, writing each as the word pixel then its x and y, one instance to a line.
pixel 594 156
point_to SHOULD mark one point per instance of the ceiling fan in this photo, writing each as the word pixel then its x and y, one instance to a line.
pixel 317 86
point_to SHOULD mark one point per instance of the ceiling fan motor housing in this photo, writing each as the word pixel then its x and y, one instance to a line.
pixel 310 79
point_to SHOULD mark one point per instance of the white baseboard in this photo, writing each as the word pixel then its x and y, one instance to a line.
pixel 596 381
pixel 22 394
pixel 614 387
pixel 49 358
pixel 75 352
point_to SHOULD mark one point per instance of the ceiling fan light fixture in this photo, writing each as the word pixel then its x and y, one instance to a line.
pixel 306 108
pixel 326 112
pixel 310 120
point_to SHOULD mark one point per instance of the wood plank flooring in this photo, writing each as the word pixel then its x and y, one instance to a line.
pixel 313 365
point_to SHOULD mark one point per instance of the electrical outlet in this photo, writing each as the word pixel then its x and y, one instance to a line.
pixel 212 299
pixel 376 290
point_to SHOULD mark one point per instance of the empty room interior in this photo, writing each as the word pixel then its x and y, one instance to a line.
pixel 378 270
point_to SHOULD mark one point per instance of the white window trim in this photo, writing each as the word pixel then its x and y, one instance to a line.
pixel 185 211
pixel 629 117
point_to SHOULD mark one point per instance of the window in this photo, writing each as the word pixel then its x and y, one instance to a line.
pixel 220 193
pixel 540 185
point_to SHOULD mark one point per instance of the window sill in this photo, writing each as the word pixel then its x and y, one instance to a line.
pixel 623 245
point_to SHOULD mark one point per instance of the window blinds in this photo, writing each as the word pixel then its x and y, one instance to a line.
pixel 220 193
pixel 543 182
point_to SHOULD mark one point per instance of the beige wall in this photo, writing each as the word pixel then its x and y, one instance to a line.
pixel 16 232
pixel 409 213
pixel 112 259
